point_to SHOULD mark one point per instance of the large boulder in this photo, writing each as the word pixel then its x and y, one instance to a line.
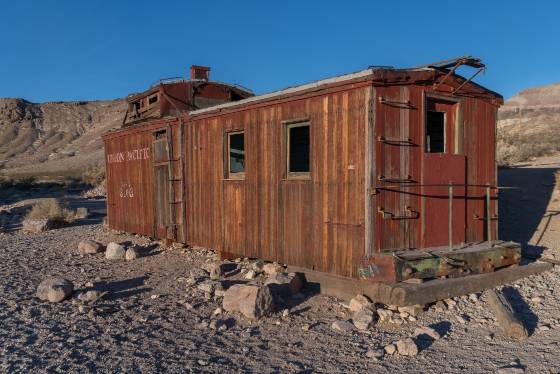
pixel 358 302
pixel 283 284
pixel 407 347
pixel 272 268
pixel 38 225
pixel 364 318
pixel 251 300
pixel 54 289
pixel 114 251
pixel 87 247
pixel 132 253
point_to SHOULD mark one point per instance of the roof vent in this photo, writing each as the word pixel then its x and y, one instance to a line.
pixel 200 72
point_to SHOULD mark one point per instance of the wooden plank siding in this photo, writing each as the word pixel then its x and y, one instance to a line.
pixel 316 223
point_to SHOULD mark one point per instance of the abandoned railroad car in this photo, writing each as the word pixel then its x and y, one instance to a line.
pixel 382 175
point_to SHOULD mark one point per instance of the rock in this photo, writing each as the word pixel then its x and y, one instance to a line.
pixel 285 313
pixel 38 225
pixel 390 349
pixel 450 303
pixel 422 332
pixel 394 308
pixel 544 327
pixel 114 251
pixel 252 301
pixel 358 302
pixel 306 327
pixel 375 354
pixel 272 268
pixel 473 297
pixel 537 299
pixel 87 247
pixel 440 306
pixel 363 318
pixel 81 213
pixel 257 266
pixel 462 320
pixel 55 289
pixel 198 274
pixel 411 310
pixel 89 296
pixel 250 274
pixel 407 347
pixel 217 311
pixel 384 314
pixel 342 326
pixel 132 253
pixel 218 270
pixel 282 284
pixel 207 286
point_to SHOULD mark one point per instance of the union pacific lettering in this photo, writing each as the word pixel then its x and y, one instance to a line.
pixel 133 155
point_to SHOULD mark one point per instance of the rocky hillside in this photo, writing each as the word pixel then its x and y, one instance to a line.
pixel 59 138
pixel 529 125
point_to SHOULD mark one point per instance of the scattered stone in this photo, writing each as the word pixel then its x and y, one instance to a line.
pixel 306 327
pixel 285 313
pixel 89 296
pixel 489 336
pixel 272 268
pixel 358 302
pixel 462 320
pixel 252 301
pixel 544 327
pixel 396 320
pixel 342 326
pixel 86 247
pixel 394 308
pixel 473 297
pixel 422 332
pixel 88 284
pixel 189 306
pixel 257 266
pixel 284 284
pixel 450 303
pixel 202 325
pixel 440 306
pixel 384 314
pixel 207 286
pixel 250 274
pixel 217 311
pixel 412 310
pixel 219 269
pixel 375 354
pixel 114 251
pixel 155 296
pixel 38 225
pixel 511 370
pixel 54 289
pixel 390 349
pixel 363 318
pixel 132 253
pixel 197 274
pixel 407 347
pixel 537 299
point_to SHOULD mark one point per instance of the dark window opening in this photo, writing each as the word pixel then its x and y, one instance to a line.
pixel 152 99
pixel 435 132
pixel 298 148
pixel 136 105
pixel 236 153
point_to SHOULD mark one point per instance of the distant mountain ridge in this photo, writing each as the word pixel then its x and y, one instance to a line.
pixel 529 124
pixel 54 137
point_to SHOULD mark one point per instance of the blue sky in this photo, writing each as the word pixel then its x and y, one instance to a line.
pixel 84 50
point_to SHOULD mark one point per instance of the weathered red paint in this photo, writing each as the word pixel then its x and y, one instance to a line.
pixel 370 190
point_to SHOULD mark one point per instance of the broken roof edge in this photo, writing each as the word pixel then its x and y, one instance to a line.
pixel 169 81
pixel 362 74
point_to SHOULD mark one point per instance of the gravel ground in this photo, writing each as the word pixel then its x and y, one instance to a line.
pixel 150 321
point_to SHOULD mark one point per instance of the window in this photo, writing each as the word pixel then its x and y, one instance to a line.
pixel 435 132
pixel 298 149
pixel 152 99
pixel 235 154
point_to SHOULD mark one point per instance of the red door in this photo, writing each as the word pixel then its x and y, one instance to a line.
pixel 443 207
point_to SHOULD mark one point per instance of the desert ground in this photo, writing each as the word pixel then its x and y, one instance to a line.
pixel 156 317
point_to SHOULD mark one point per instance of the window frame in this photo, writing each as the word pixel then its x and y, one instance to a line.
pixel 426 143
pixel 154 95
pixel 288 125
pixel 227 160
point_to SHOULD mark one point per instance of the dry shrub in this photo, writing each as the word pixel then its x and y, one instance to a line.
pixel 513 148
pixel 94 175
pixel 51 209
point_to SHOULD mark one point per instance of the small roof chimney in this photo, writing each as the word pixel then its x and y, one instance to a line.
pixel 200 72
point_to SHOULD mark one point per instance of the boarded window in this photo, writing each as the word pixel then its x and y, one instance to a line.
pixel 235 154
pixel 435 132
pixel 298 142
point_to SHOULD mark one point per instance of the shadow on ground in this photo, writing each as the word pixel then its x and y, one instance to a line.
pixel 523 208
pixel 521 309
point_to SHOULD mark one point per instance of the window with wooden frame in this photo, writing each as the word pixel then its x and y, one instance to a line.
pixel 235 155
pixel 435 132
pixel 298 149
pixel 152 99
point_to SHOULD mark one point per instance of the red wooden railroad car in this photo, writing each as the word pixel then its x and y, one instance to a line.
pixel 382 175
